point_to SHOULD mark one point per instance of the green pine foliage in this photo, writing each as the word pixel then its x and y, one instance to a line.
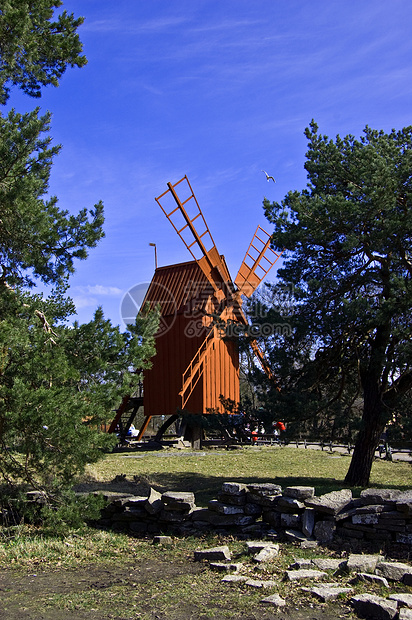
pixel 35 50
pixel 37 238
pixel 58 386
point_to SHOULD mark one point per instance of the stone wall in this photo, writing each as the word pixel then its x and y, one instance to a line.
pixel 293 513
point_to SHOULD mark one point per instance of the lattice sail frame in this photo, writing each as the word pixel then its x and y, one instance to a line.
pixel 188 221
pixel 258 260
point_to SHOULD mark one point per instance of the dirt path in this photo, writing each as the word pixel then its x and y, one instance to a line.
pixel 139 591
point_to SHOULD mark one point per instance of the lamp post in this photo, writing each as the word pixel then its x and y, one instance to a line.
pixel 155 253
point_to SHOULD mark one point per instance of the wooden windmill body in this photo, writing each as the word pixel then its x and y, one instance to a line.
pixel 196 366
pixel 192 366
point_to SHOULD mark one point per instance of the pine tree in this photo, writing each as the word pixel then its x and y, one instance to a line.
pixel 57 384
pixel 348 240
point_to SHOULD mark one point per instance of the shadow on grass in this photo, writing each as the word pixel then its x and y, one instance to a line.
pixel 208 487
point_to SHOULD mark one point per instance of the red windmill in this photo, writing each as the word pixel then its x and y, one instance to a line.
pixel 196 367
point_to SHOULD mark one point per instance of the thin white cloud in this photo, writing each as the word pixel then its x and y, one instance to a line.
pixel 90 296
pixel 132 27
pixel 82 301
pixel 98 289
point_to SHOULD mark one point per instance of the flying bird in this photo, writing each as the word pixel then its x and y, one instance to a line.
pixel 268 177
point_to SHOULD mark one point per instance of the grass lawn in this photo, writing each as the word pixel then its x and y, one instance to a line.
pixel 204 472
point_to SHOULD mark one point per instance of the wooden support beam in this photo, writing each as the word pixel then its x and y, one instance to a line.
pixel 119 412
pixel 144 427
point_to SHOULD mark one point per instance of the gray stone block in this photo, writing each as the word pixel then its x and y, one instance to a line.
pixel 234 579
pixel 301 563
pixel 330 503
pixel 308 521
pixel 362 563
pixel 290 504
pixel 329 563
pixel 264 489
pixel 267 501
pixel 267 554
pixel 305 573
pixel 121 500
pixel 173 516
pixel 289 520
pixel 403 599
pixel 376 607
pixel 255 546
pixel 309 544
pixel 217 554
pixel 300 493
pixel 226 567
pixel 234 488
pixel 394 571
pixel 154 502
pixel 233 500
pixel 329 591
pixel 373 509
pixel 371 578
pixel 274 599
pixel 365 519
pixel 324 531
pixel 138 501
pixel 259 583
pixel 224 509
pixel 349 509
pixel 162 540
pixel 177 498
pixel 380 496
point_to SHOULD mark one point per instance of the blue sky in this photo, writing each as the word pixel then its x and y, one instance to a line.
pixel 216 90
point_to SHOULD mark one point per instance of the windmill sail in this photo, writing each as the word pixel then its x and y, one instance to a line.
pixel 181 208
pixel 258 260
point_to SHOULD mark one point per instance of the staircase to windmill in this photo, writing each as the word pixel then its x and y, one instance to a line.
pixel 194 371
pixel 126 416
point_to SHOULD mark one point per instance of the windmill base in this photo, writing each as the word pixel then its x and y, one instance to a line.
pixel 192 432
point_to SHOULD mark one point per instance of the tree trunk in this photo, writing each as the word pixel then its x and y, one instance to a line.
pixel 373 424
